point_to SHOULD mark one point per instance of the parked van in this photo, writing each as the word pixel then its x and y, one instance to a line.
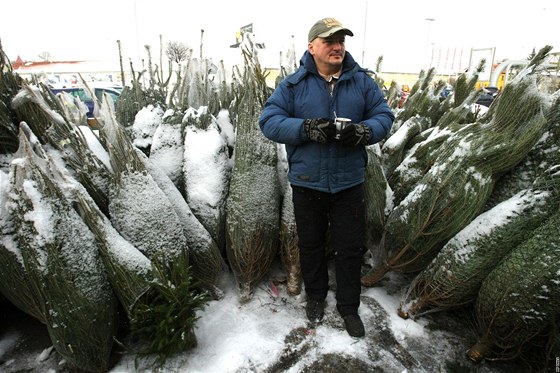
pixel 113 92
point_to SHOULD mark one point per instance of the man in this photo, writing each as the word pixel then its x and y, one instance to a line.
pixel 326 168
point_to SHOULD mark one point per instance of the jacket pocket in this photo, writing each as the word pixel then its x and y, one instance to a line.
pixel 305 163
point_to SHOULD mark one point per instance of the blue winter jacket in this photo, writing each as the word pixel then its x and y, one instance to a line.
pixel 329 167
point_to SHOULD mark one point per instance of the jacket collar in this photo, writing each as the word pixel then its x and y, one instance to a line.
pixel 307 66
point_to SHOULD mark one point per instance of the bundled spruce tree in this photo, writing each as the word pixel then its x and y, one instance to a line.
pixel 432 213
pixel 289 249
pixel 289 245
pixel 15 281
pixel 421 157
pixel 165 315
pixel 543 156
pixel 167 147
pixel 454 277
pixel 63 262
pixel 131 101
pixel 161 299
pixel 40 109
pixel 420 99
pixel 253 205
pixel 519 301
pixel 75 111
pixel 146 122
pixel 395 146
pixel 199 89
pixel 393 95
pixel 204 255
pixel 457 185
pixel 10 84
pixel 378 197
pixel 207 171
pixel 138 208
pixel 408 154
pixel 44 113
pixel 128 270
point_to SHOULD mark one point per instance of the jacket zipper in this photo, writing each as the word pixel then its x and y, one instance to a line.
pixel 330 85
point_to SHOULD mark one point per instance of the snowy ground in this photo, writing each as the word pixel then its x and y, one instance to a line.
pixel 270 334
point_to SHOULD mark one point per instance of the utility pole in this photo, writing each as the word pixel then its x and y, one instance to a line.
pixel 136 29
pixel 430 20
pixel 365 35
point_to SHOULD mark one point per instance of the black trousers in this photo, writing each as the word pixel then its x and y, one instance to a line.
pixel 344 214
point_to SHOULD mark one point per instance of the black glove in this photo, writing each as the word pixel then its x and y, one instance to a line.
pixel 320 130
pixel 355 135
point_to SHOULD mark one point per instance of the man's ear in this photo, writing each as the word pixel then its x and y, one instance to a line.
pixel 310 47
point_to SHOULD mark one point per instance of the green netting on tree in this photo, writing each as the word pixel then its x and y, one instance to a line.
pixel 421 158
pixel 15 283
pixel 378 201
pixel 152 226
pixel 455 275
pixel 10 84
pixel 454 188
pixel 34 106
pixel 130 102
pixel 420 99
pixel 432 213
pixel 289 249
pixel 8 132
pixel 253 206
pixel 394 148
pixel 128 270
pixel 205 257
pixel 520 298
pixel 544 155
pixel 62 259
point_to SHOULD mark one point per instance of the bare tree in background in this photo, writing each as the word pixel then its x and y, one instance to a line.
pixel 177 51
pixel 45 56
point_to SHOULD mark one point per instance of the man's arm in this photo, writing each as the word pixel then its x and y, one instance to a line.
pixel 276 121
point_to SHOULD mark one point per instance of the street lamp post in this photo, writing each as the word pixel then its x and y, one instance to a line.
pixel 365 34
pixel 429 20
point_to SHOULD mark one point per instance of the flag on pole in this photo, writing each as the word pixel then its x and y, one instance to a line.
pixel 240 35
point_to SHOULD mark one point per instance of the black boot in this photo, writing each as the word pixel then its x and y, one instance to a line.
pixel 315 309
pixel 354 325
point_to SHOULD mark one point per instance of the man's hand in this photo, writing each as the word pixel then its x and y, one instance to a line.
pixel 320 130
pixel 355 135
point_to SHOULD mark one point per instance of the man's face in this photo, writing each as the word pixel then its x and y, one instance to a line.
pixel 328 51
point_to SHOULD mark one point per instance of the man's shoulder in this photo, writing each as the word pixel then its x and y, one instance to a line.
pixel 296 77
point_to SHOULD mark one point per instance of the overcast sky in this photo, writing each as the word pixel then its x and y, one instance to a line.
pixel 409 34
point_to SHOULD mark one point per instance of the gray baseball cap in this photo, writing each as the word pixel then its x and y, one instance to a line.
pixel 326 27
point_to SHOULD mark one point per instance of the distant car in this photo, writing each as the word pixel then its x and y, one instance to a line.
pixel 83 95
pixel 487 96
